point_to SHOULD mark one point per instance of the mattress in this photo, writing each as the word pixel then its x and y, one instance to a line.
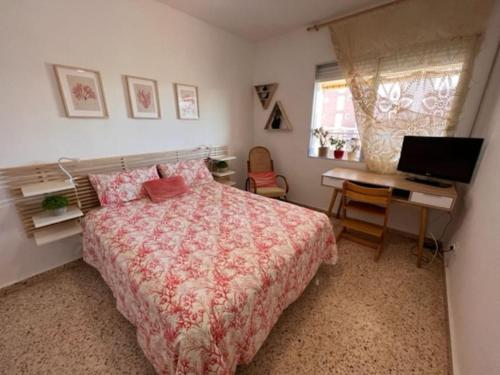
pixel 204 276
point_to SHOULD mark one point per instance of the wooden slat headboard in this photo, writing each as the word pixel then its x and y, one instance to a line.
pixel 14 178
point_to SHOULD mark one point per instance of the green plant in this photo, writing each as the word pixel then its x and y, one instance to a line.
pixel 337 143
pixel 221 165
pixel 54 202
pixel 354 144
pixel 322 135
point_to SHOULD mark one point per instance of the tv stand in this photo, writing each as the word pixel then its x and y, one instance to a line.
pixel 429 182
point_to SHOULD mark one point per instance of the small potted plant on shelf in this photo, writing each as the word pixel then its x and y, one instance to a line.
pixel 322 135
pixel 56 204
pixel 221 166
pixel 338 144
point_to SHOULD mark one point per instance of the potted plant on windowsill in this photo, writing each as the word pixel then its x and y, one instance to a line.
pixel 56 205
pixel 353 149
pixel 322 135
pixel 338 144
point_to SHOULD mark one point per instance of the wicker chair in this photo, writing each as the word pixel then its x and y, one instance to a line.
pixel 259 160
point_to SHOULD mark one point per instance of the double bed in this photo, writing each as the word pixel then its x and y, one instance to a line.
pixel 204 276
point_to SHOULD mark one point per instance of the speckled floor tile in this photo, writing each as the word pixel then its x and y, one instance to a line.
pixel 358 317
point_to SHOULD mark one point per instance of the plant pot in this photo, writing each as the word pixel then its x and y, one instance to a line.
pixel 339 154
pixel 58 211
pixel 352 155
pixel 322 152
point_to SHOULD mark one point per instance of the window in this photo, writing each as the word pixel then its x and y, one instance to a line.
pixel 333 109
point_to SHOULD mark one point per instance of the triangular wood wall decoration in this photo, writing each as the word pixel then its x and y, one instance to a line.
pixel 278 120
pixel 265 93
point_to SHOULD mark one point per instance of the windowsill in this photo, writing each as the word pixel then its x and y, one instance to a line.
pixel 345 158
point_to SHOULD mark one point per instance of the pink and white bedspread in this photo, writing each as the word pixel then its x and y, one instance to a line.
pixel 205 276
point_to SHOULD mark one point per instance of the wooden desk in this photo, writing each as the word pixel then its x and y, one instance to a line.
pixel 404 191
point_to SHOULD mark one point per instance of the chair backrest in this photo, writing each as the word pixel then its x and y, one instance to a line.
pixel 259 160
pixel 376 196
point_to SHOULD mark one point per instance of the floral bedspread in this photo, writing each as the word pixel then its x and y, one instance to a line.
pixel 205 276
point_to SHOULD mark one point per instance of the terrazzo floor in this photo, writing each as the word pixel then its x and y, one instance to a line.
pixel 358 317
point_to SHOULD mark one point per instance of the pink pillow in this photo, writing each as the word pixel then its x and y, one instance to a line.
pixel 194 172
pixel 120 187
pixel 264 179
pixel 162 189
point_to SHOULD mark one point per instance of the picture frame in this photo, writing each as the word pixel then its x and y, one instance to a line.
pixel 143 97
pixel 186 97
pixel 81 92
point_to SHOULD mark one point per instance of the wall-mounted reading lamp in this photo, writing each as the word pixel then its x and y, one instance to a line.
pixel 65 171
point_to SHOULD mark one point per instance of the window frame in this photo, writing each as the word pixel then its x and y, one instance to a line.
pixel 321 76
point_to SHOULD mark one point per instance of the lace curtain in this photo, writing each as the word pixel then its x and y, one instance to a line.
pixel 408 72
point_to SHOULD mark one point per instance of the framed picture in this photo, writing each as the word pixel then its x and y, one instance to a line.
pixel 81 92
pixel 187 101
pixel 143 97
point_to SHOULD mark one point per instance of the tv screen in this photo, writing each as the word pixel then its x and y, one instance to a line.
pixel 449 158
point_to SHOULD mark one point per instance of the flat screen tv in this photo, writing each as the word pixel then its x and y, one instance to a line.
pixel 448 158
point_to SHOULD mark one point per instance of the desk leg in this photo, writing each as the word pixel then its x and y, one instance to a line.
pixel 421 235
pixel 340 206
pixel 332 202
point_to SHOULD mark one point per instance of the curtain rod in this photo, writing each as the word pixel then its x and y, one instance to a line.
pixel 318 26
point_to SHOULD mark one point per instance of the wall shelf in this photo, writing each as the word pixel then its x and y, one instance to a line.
pixel 265 93
pixel 223 174
pixel 227 182
pixel 223 158
pixel 45 218
pixel 46 187
pixel 278 120
pixel 57 232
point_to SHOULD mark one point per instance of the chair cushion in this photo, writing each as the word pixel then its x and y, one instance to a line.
pixel 264 179
pixel 271 191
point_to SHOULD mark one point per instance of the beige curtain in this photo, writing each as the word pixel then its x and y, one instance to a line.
pixel 408 67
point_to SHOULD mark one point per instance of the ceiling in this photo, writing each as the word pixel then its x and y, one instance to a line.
pixel 257 20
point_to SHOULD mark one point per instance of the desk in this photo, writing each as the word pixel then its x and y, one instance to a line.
pixel 404 191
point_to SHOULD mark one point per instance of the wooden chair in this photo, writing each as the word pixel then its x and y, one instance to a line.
pixel 259 160
pixel 365 200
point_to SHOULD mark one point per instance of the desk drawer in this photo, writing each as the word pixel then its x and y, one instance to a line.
pixel 333 182
pixel 432 200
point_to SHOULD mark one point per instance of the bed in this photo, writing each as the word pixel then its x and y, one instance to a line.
pixel 204 276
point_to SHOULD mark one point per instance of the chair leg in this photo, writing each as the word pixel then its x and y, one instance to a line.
pixel 378 253
pixel 380 248
pixel 341 233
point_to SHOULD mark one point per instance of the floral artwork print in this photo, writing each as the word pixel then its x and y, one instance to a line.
pixel 83 93
pixel 143 97
pixel 187 102
pixel 205 275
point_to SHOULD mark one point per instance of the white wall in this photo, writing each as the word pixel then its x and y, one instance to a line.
pixel 290 60
pixel 473 276
pixel 143 38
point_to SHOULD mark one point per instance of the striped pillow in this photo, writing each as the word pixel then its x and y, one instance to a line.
pixel 264 179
